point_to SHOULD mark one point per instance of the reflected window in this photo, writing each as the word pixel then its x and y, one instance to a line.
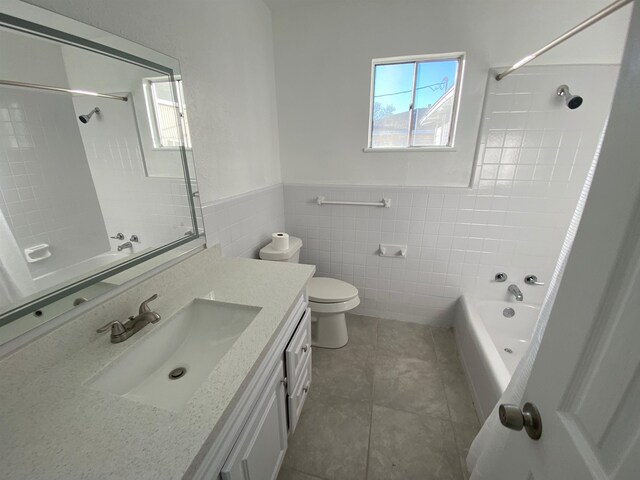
pixel 167 113
pixel 414 101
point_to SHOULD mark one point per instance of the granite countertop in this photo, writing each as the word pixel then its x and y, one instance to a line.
pixel 53 426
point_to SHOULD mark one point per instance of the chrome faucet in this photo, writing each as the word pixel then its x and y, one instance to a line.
pixel 515 291
pixel 125 245
pixel 121 331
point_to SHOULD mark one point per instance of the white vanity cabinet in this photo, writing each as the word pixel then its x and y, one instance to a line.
pixel 259 451
pixel 253 441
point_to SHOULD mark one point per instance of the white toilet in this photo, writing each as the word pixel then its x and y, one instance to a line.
pixel 329 299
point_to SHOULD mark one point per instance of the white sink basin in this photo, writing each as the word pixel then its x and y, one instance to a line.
pixel 195 339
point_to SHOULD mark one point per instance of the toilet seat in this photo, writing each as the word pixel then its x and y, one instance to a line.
pixel 323 290
pixel 336 307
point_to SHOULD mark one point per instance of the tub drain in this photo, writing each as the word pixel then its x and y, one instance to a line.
pixel 177 373
pixel 508 350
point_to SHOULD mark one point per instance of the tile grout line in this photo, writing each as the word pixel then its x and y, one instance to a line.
pixel 453 431
pixel 441 355
pixel 375 356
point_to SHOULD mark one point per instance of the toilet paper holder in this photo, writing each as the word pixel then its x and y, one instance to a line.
pixel 391 250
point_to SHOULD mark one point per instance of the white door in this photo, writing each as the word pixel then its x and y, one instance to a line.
pixel 586 378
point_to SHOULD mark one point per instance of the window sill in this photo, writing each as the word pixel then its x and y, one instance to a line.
pixel 408 149
pixel 170 149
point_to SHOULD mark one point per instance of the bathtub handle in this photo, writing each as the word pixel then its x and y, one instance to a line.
pixel 500 277
pixel 532 280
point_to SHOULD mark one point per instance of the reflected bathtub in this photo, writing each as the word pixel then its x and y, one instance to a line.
pixel 492 344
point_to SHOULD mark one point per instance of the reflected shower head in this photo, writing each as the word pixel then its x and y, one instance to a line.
pixel 87 117
pixel 572 101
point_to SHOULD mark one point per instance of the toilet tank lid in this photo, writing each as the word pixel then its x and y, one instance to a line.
pixel 269 253
pixel 330 290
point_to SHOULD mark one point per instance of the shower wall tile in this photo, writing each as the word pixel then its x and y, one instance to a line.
pixel 155 209
pixel 243 224
pixel 46 190
pixel 533 156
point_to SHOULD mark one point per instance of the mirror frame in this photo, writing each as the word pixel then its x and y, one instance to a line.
pixel 49 33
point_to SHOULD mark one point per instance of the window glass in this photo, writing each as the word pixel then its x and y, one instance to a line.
pixel 168 115
pixel 393 91
pixel 414 102
pixel 434 102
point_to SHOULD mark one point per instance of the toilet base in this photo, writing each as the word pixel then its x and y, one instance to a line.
pixel 329 330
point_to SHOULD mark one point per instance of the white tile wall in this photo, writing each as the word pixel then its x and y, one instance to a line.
pixel 533 156
pixel 243 224
pixel 46 191
pixel 155 209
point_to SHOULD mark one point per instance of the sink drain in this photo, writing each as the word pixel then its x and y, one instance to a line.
pixel 508 350
pixel 508 312
pixel 177 373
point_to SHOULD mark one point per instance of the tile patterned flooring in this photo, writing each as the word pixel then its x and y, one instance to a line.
pixel 392 404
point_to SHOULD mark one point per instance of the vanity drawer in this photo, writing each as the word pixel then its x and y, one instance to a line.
pixel 296 401
pixel 298 351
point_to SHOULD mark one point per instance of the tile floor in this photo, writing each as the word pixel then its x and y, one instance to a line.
pixel 392 404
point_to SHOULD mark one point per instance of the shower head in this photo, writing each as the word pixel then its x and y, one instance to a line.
pixel 87 117
pixel 572 101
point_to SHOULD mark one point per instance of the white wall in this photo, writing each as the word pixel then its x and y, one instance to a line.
pixel 533 157
pixel 225 49
pixel 323 67
pixel 46 190
pixel 243 224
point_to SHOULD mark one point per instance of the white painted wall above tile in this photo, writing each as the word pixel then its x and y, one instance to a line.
pixel 323 67
pixel 225 51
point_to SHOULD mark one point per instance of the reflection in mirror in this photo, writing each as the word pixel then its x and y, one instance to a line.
pixel 90 185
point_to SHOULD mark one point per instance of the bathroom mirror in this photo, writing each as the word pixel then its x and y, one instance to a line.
pixel 96 175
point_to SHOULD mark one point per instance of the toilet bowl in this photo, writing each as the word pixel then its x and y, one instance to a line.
pixel 329 299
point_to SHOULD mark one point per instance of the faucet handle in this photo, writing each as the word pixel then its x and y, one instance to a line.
pixel 500 277
pixel 144 306
pixel 116 328
pixel 532 280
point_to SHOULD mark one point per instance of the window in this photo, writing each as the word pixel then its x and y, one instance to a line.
pixel 414 102
pixel 167 114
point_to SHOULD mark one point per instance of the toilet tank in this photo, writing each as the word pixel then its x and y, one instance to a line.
pixel 291 254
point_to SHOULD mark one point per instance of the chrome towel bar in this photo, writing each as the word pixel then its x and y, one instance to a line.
pixel 385 202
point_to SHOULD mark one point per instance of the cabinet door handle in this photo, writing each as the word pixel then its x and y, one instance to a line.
pixel 306 388
pixel 305 347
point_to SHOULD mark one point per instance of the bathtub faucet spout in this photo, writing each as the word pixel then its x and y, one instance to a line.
pixel 515 291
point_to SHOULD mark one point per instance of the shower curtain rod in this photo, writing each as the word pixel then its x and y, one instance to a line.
pixel 605 12
pixel 60 89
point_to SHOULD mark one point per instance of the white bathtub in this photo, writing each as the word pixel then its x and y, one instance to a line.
pixel 78 270
pixel 491 345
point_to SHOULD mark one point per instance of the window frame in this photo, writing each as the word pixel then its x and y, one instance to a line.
pixel 450 146
pixel 152 113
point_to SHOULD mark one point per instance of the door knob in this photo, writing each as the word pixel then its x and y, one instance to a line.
pixel 528 418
